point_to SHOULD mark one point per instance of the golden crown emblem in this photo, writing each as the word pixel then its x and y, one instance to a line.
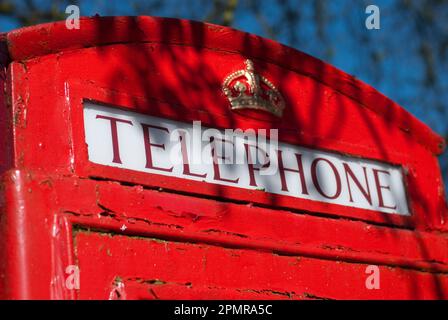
pixel 245 89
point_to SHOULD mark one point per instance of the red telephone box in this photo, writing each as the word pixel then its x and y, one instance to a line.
pixel 117 171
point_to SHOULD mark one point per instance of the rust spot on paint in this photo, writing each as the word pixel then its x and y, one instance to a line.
pixel 225 233
pixel 47 182
pixel 289 295
pixel 156 282
pixel 336 247
pixel 313 296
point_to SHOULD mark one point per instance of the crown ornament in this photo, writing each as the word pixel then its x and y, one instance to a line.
pixel 246 89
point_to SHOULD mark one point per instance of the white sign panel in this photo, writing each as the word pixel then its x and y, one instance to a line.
pixel 130 140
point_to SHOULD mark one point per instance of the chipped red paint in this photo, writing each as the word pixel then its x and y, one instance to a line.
pixel 150 236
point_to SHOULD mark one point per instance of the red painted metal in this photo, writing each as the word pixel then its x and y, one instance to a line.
pixel 187 239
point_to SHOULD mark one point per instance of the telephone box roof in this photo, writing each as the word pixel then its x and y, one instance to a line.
pixel 30 42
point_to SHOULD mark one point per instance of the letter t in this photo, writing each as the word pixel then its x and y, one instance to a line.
pixel 114 134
